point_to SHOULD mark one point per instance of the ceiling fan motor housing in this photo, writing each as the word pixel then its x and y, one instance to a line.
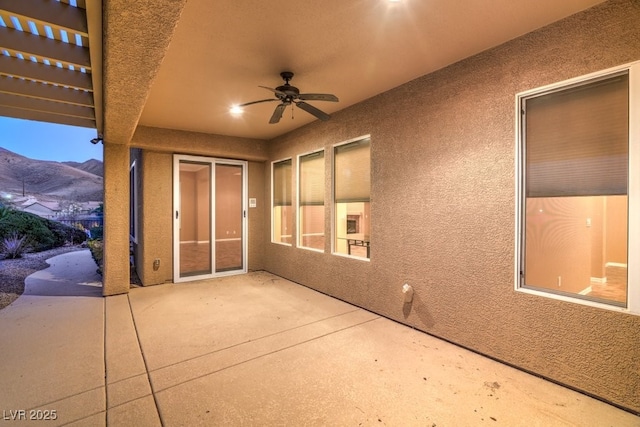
pixel 291 91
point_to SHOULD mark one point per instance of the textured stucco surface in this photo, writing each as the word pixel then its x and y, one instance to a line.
pixel 156 225
pixel 156 221
pixel 132 55
pixel 442 209
pixel 116 219
pixel 158 146
pixel 256 216
pixel 201 144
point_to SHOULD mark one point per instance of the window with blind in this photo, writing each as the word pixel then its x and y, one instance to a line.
pixel 578 178
pixel 281 213
pixel 352 182
pixel 311 201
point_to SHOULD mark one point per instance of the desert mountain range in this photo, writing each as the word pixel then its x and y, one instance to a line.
pixel 56 181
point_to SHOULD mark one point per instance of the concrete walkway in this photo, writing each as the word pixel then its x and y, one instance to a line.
pixel 253 349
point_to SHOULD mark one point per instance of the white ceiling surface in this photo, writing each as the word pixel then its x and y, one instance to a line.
pixel 222 50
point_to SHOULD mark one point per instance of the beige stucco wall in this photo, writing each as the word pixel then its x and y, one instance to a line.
pixel 257 216
pixel 115 276
pixel 443 209
pixel 156 224
pixel 199 144
pixel 155 218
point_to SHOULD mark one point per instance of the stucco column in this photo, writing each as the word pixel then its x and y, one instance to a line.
pixel 115 275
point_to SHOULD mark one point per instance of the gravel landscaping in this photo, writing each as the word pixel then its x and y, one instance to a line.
pixel 13 272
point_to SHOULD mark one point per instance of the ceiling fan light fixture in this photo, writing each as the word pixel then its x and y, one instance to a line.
pixel 236 110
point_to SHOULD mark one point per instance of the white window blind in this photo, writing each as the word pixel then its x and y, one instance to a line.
pixel 352 169
pixel 282 183
pixel 577 140
pixel 312 179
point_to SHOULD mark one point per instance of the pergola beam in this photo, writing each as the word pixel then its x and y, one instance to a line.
pixel 52 107
pixel 42 116
pixel 56 51
pixel 55 14
pixel 44 73
pixel 38 90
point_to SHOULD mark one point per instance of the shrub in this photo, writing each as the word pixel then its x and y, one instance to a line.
pixel 4 213
pixel 33 227
pixel 97 232
pixel 65 234
pixel 14 246
pixel 41 234
pixel 96 247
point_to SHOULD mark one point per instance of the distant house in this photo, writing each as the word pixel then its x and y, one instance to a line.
pixel 43 209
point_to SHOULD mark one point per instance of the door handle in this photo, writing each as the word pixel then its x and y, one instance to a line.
pixel 176 214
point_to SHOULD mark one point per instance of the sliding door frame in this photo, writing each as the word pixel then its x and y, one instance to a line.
pixel 176 212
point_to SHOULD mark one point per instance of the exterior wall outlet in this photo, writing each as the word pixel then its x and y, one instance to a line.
pixel 156 264
pixel 407 290
pixel 559 281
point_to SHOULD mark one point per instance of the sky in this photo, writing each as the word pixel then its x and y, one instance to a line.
pixel 48 141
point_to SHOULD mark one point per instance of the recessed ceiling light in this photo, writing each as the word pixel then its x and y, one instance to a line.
pixel 236 110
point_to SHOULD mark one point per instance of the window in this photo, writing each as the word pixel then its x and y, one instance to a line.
pixel 311 200
pixel 578 183
pixel 352 182
pixel 281 202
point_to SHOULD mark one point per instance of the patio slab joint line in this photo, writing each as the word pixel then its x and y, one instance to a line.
pixel 253 340
pixel 267 354
pixel 53 403
pixel 146 366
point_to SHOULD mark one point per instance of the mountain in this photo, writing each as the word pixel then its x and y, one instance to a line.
pixel 93 166
pixel 47 179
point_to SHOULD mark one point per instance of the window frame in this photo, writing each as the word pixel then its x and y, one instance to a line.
pixel 333 196
pixel 273 200
pixel 298 205
pixel 632 305
pixel 133 202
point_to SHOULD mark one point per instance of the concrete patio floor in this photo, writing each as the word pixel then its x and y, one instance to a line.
pixel 253 349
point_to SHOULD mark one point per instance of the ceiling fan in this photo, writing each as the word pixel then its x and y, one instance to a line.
pixel 288 95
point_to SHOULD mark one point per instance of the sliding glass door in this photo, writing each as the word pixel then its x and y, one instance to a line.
pixel 209 217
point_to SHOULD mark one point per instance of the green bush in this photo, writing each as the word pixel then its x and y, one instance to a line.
pixel 96 247
pixel 97 232
pixel 41 234
pixel 66 234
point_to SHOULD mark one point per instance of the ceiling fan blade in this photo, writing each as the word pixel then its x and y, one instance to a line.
pixel 318 97
pixel 276 91
pixel 313 110
pixel 277 113
pixel 256 102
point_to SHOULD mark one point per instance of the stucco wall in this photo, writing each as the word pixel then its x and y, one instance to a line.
pixel 115 274
pixel 199 144
pixel 442 209
pixel 257 216
pixel 156 234
pixel 155 238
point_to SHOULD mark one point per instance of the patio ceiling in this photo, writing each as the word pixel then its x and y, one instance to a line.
pixel 221 51
pixel 50 61
pixel 182 64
